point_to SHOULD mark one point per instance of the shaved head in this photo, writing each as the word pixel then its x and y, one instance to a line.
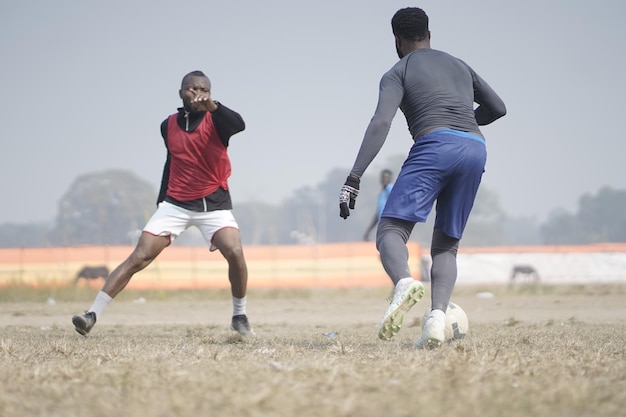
pixel 193 74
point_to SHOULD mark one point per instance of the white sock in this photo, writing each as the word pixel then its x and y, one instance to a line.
pixel 239 306
pixel 99 304
pixel 438 315
pixel 404 280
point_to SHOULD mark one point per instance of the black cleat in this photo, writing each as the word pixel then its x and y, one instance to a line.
pixel 241 325
pixel 85 322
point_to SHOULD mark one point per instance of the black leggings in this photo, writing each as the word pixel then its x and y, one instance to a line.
pixel 391 239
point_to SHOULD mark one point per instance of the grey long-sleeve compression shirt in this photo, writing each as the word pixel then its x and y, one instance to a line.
pixel 434 90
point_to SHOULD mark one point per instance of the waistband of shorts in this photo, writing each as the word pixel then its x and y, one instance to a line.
pixel 460 133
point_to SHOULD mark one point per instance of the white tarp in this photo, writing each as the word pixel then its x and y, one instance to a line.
pixel 552 268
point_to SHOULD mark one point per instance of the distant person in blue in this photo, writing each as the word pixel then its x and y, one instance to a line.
pixel 386 181
pixel 437 93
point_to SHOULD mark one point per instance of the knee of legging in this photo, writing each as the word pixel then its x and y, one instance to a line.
pixel 442 243
pixel 389 227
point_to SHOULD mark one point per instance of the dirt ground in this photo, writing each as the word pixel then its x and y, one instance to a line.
pixel 327 308
pixel 536 351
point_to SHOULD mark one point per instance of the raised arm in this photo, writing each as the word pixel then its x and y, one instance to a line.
pixel 227 122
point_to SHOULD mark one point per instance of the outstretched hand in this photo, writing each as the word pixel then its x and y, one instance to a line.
pixel 203 102
pixel 347 196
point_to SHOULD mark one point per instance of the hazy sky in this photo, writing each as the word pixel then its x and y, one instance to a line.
pixel 85 86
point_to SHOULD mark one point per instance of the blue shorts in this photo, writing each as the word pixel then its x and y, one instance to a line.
pixel 443 165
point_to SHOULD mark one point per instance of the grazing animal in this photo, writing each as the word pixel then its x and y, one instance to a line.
pixel 91 272
pixel 527 271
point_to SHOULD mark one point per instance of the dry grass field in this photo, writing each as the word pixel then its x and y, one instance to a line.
pixel 531 351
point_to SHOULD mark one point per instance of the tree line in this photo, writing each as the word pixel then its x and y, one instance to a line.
pixel 111 207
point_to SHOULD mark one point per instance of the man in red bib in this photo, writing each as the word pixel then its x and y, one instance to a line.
pixel 194 192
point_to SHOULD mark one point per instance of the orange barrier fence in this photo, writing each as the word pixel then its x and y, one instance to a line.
pixel 322 265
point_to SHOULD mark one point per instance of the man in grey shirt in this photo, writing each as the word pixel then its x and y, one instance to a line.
pixel 436 92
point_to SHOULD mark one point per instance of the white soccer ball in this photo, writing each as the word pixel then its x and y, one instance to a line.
pixel 457 324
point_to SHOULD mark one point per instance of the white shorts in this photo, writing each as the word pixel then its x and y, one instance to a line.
pixel 171 220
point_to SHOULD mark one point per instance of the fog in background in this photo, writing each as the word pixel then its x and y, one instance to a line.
pixel 85 86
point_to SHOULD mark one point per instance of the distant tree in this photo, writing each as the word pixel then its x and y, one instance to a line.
pixel 521 231
pixel 103 208
pixel 260 223
pixel 24 235
pixel 301 216
pixel 331 227
pixel 600 218
pixel 561 228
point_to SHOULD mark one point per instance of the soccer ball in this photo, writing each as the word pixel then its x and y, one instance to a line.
pixel 457 324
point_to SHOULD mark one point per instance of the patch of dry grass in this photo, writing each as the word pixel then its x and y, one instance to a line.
pixel 538 365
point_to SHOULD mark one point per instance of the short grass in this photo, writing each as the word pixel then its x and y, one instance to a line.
pixel 507 367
